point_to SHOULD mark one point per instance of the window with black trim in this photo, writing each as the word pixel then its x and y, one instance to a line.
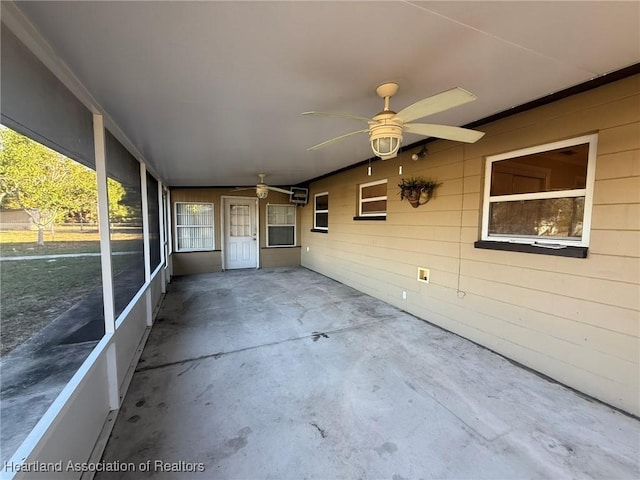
pixel 281 225
pixel 372 199
pixel 541 195
pixel 194 227
pixel 321 211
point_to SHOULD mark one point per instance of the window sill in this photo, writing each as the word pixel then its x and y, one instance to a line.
pixel 372 217
pixel 201 250
pixel 564 251
pixel 318 230
pixel 269 247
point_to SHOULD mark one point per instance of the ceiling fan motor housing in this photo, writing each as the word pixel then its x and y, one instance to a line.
pixel 262 191
pixel 385 135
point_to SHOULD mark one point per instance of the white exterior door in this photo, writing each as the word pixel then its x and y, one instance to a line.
pixel 241 242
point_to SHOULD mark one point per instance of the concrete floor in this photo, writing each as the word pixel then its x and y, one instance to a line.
pixel 284 373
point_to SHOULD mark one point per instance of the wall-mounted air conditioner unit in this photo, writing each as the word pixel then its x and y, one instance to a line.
pixel 299 196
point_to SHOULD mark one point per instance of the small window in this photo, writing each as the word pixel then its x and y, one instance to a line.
pixel 281 225
pixel 541 195
pixel 373 199
pixel 321 211
pixel 194 227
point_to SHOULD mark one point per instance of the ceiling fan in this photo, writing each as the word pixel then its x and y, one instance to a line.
pixel 386 128
pixel 262 189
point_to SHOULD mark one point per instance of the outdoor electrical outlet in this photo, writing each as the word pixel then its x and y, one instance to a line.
pixel 404 295
pixel 423 274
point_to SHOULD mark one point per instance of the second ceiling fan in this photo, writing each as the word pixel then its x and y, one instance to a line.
pixel 262 189
pixel 386 128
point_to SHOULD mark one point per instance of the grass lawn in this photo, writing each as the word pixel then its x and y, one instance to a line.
pixel 35 292
pixel 64 240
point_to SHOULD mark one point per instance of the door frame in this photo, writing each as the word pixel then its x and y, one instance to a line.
pixel 223 231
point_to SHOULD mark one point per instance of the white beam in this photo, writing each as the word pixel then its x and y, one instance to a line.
pixel 103 223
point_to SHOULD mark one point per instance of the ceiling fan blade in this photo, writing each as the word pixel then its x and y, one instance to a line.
pixel 339 115
pixel 457 134
pixel 333 140
pixel 281 190
pixel 436 103
pixel 237 189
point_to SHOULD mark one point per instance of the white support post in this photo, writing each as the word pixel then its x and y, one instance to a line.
pixel 145 236
pixel 105 258
pixel 103 224
pixel 168 220
pixel 161 223
pixel 145 221
pixel 170 234
pixel 162 239
pixel 257 233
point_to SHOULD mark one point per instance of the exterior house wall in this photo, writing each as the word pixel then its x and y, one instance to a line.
pixel 15 220
pixel 189 263
pixel 575 320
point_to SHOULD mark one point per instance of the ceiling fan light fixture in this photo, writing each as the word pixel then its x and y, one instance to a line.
pixel 385 139
pixel 386 147
pixel 262 192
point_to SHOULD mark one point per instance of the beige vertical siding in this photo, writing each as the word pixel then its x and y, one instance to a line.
pixel 575 320
pixel 189 263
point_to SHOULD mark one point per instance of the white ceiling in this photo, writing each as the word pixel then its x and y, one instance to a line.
pixel 210 93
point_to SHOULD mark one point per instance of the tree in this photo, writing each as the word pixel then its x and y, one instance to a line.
pixel 116 192
pixel 42 182
pixel 51 187
pixel 82 202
